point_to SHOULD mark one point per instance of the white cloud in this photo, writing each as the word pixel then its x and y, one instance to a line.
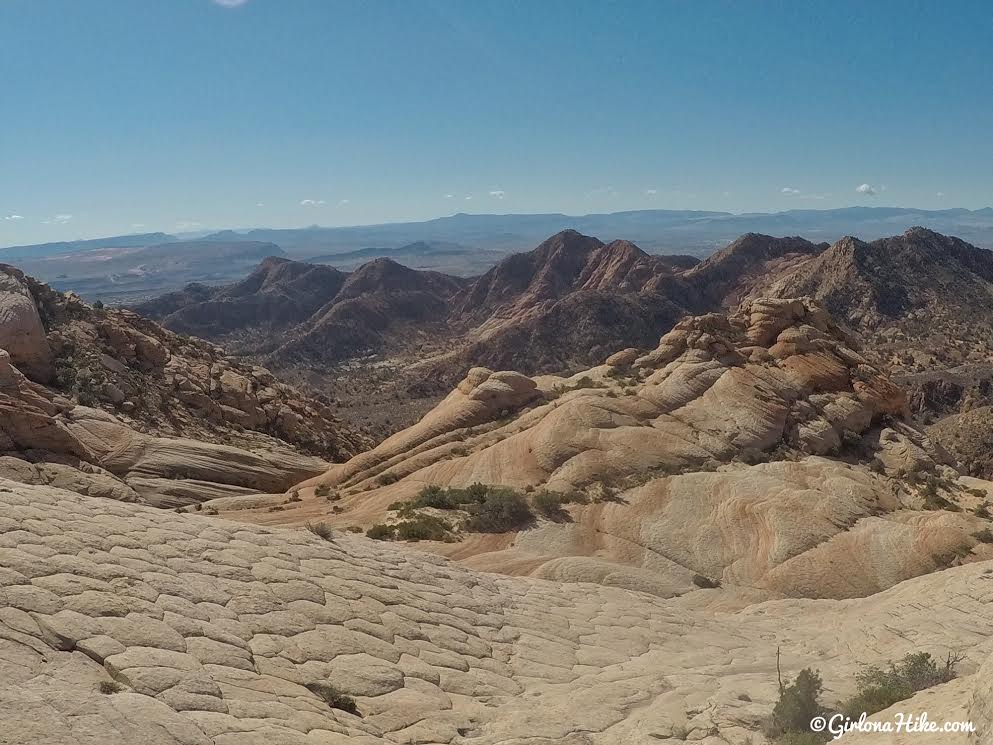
pixel 188 225
pixel 498 193
pixel 940 195
pixel 449 196
pixel 58 220
pixel 137 225
pixel 651 192
pixel 789 191
pixel 468 197
pixel 260 204
pixel 230 3
pixel 14 217
pixel 865 189
pixel 311 202
pixel 344 202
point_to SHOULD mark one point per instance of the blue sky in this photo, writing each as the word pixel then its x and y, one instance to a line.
pixel 120 116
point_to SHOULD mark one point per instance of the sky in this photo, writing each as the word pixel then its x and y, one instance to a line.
pixel 123 116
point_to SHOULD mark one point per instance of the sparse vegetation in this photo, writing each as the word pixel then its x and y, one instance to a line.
pixel 385 479
pixel 705 582
pixel 881 687
pixel 321 530
pixel 878 689
pixel 294 497
pixel 418 527
pixel 984 536
pixel 333 697
pixel 798 703
pixel 110 687
pixel 500 510
pixel 322 491
pixel 422 528
pixel 381 532
pixel 549 503
pixel 492 509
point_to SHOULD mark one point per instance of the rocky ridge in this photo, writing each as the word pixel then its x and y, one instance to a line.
pixel 759 450
pixel 113 404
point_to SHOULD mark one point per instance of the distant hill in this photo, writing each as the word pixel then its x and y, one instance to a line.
pixel 124 273
pixel 696 232
pixel 469 245
pixel 68 247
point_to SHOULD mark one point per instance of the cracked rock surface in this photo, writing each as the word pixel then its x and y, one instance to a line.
pixel 214 630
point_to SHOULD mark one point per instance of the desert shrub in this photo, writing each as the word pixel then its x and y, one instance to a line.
pixel 294 497
pixel 321 530
pixel 983 511
pixel 385 479
pixel 933 499
pixel 354 529
pixel 108 687
pixel 443 499
pixel 98 305
pixel 381 532
pixel 705 582
pixel 435 496
pixel 322 491
pixel 984 536
pixel 549 503
pixel 501 510
pixel 798 703
pixel 422 528
pixel 333 697
pixel 881 687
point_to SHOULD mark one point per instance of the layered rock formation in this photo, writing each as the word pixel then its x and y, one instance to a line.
pixel 109 403
pixel 846 483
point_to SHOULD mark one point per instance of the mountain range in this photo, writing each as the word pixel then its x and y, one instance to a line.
pixel 116 269
pixel 729 487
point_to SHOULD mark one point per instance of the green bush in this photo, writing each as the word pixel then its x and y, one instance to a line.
pixel 422 528
pixel 798 703
pixel 385 479
pixel 322 491
pixel 500 511
pixel 549 503
pixel 333 697
pixel 881 687
pixel 443 499
pixel 381 532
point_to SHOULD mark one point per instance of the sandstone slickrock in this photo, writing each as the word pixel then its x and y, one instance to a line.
pixel 21 331
pixel 213 631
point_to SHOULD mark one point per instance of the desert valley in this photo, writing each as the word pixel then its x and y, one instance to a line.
pixel 496 373
pixel 598 496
